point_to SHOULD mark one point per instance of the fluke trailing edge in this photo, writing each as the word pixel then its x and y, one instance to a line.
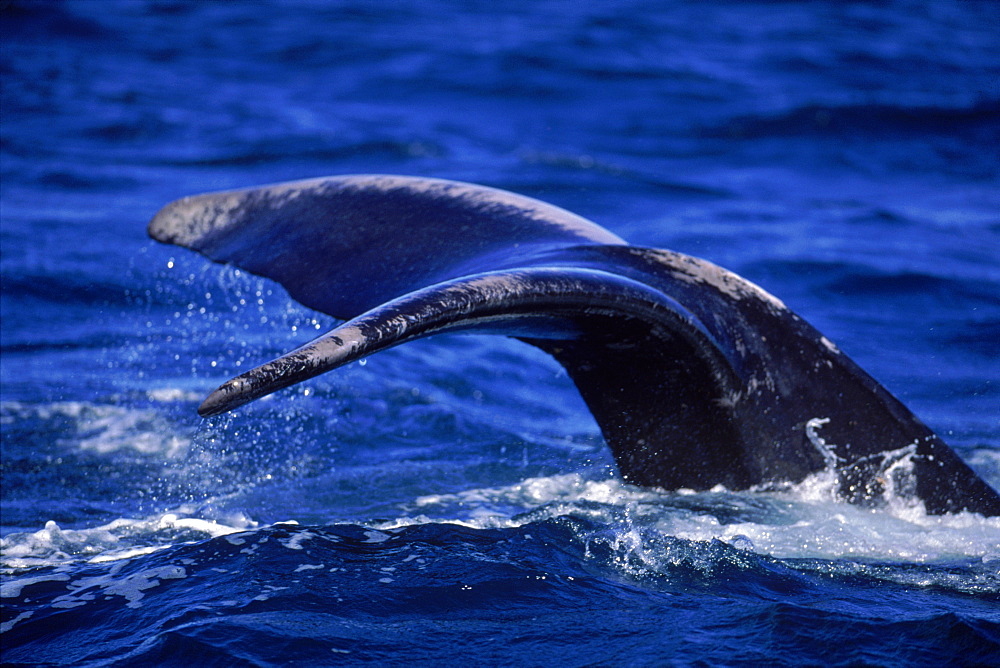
pixel 695 376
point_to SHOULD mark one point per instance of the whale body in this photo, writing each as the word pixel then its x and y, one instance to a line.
pixel 695 376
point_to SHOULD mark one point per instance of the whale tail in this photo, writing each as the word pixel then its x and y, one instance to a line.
pixel 695 376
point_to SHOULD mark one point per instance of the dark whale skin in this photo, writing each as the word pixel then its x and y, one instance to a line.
pixel 696 376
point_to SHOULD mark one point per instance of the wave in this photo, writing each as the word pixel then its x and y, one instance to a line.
pixel 53 19
pixel 803 521
pixel 976 122
pixel 296 149
pixel 852 280
pixel 61 288
pixel 306 593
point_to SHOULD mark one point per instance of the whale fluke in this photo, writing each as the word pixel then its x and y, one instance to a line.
pixel 695 376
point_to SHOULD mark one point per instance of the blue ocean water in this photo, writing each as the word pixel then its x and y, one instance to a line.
pixel 451 501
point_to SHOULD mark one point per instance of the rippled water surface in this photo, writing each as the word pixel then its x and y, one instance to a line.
pixel 451 501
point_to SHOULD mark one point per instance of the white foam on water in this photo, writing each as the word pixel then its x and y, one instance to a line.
pixel 120 539
pixel 294 542
pixel 834 531
pixel 168 395
pixel 308 567
pixel 798 521
pixel 9 624
pixel 104 428
pixel 494 503
pixel 375 537
pixel 12 589
pixel 801 521
pixel 131 587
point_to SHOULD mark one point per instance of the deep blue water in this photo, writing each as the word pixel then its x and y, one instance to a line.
pixel 451 501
